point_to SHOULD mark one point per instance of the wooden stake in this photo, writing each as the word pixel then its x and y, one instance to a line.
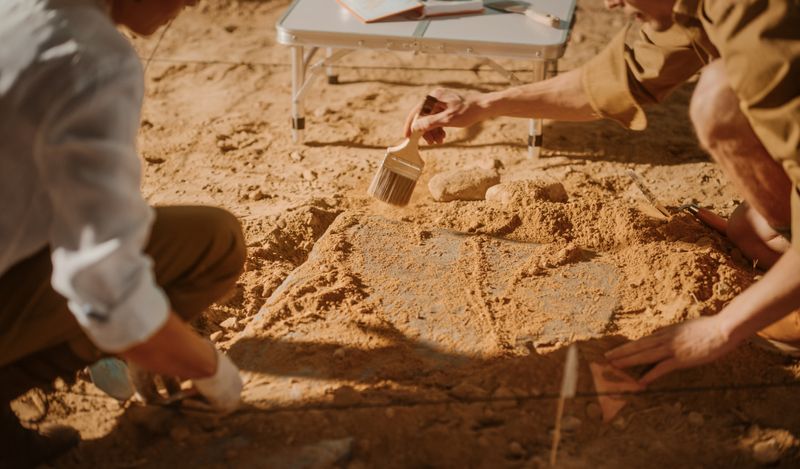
pixel 569 386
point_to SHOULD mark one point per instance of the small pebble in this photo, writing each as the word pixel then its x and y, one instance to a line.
pixel 296 156
pixel 229 323
pixel 466 390
pixel 767 452
pixel 339 352
pixel 309 175
pixel 570 423
pixel 516 449
pixel 619 423
pixel 258 195
pixel 696 419
pixel 593 411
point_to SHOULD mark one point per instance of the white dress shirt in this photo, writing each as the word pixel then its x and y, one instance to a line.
pixel 71 88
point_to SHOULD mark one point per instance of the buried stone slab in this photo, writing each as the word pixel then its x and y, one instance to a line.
pixel 451 292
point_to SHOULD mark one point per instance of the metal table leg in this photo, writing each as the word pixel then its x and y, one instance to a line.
pixel 535 125
pixel 298 79
pixel 333 77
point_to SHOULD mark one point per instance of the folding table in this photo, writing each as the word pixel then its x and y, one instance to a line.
pixel 315 24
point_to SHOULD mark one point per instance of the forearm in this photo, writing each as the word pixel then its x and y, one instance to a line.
pixel 770 299
pixel 559 98
pixel 175 350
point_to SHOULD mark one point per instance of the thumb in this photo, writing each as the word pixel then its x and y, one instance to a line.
pixel 425 124
pixel 660 370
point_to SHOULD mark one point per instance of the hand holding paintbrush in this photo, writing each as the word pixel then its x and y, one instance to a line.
pixel 395 180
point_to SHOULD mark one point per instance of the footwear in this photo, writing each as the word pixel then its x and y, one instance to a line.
pixel 22 448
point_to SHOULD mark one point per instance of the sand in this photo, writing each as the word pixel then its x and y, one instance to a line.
pixel 432 335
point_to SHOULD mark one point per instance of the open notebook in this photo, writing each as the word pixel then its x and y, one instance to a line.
pixel 375 10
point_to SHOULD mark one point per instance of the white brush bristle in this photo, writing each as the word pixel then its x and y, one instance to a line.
pixel 392 188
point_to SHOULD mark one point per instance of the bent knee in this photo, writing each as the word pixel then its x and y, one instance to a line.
pixel 228 240
pixel 740 228
pixel 714 108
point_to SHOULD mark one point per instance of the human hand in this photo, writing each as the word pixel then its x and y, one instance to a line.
pixel 153 388
pixel 222 390
pixel 692 343
pixel 452 109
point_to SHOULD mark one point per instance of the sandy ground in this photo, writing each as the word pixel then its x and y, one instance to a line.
pixel 433 335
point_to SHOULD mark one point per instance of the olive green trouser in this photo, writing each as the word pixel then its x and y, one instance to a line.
pixel 198 254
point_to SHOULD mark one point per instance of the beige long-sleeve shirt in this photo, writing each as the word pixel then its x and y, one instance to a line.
pixel 758 42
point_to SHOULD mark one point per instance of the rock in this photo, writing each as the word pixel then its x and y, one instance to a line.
pixel 467 391
pixel 504 399
pixel 296 156
pixel 570 423
pixel 215 336
pixel 309 175
pixel 767 452
pixel 231 323
pixel 258 195
pixel 593 411
pixel 619 423
pixel 696 419
pixel 466 184
pixel 527 191
pixel 339 352
pixel 179 433
pixel 515 449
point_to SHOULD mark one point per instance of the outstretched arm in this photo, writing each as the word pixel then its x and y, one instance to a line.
pixel 561 98
pixel 705 339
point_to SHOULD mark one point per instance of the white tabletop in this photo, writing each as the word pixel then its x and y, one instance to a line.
pixel 325 23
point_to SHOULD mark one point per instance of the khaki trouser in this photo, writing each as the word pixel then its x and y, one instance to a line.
pixel 198 254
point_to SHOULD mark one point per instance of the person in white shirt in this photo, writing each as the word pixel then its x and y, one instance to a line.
pixel 87 268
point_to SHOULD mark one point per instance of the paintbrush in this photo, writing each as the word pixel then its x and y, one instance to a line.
pixel 395 180
pixel 569 387
pixel 647 193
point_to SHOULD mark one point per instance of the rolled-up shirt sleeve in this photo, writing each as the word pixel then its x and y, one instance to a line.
pixel 759 45
pixel 86 155
pixel 622 78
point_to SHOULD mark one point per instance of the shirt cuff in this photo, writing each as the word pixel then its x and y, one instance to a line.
pixel 605 82
pixel 132 322
pixel 795 205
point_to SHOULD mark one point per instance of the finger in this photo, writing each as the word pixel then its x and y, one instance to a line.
pixel 410 119
pixel 171 384
pixel 427 123
pixel 650 355
pixel 667 366
pixel 636 346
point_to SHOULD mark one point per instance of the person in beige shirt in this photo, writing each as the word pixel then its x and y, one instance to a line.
pixel 746 112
